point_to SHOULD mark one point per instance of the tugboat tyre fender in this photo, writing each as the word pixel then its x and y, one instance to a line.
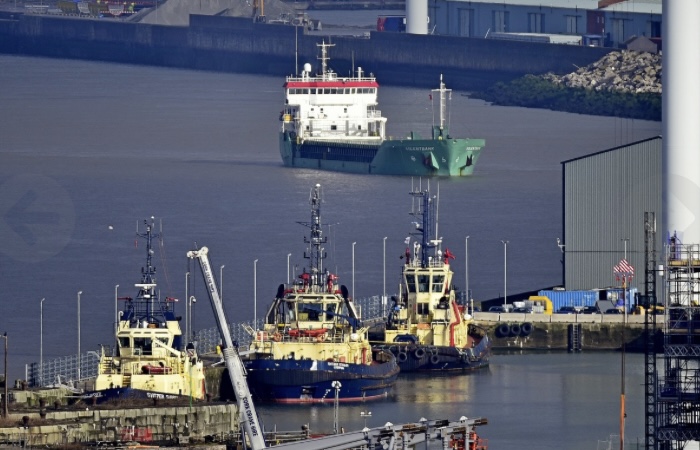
pixel 276 337
pixel 515 329
pixel 526 329
pixel 503 330
pixel 419 353
pixel 402 357
pixel 434 359
pixel 321 337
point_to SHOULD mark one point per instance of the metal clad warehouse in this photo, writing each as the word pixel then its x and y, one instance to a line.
pixel 605 196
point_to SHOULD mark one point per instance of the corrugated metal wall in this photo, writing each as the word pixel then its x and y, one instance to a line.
pixel 605 197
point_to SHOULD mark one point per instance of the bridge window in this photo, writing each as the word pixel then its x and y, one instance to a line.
pixel 438 283
pixel 411 283
pixel 422 309
pixel 423 283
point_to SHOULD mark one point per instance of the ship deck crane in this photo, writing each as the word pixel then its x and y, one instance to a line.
pixel 388 436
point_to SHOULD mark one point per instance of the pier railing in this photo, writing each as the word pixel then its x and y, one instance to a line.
pixel 64 370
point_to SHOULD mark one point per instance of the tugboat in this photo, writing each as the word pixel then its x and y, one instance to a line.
pixel 149 362
pixel 314 347
pixel 427 329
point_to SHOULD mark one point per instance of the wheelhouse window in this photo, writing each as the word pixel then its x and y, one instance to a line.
pixel 411 283
pixel 423 283
pixel 422 309
pixel 438 283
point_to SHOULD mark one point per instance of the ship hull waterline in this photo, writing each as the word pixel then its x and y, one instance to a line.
pixel 415 157
pixel 308 381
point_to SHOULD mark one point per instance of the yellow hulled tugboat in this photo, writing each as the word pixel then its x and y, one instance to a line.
pixel 427 329
pixel 151 359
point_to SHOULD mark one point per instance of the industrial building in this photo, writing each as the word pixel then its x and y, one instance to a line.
pixel 605 196
pixel 607 23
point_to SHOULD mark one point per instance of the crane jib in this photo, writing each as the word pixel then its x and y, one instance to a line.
pixel 250 417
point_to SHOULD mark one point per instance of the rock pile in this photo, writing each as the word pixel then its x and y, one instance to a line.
pixel 624 71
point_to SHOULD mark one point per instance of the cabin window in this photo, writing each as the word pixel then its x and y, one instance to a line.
pixel 411 283
pixel 330 311
pixel 423 283
pixel 353 91
pixel 334 127
pixel 314 311
pixel 144 344
pixel 422 309
pixel 345 110
pixel 124 342
pixel 359 127
pixel 438 283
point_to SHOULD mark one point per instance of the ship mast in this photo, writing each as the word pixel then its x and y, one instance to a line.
pixel 147 305
pixel 324 57
pixel 315 253
pixel 426 227
pixel 442 93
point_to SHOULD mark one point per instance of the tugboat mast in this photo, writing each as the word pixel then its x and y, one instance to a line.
pixel 315 253
pixel 426 227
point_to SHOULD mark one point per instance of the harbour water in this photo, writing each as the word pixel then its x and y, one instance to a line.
pixel 89 149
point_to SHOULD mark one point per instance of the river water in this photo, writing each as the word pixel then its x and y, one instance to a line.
pixel 89 149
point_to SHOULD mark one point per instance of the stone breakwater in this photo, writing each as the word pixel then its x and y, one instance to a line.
pixel 625 71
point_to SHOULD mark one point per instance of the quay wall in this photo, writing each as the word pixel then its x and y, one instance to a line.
pixel 604 332
pixel 194 424
pixel 233 44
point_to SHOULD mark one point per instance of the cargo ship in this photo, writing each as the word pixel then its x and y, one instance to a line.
pixel 333 123
pixel 313 347
pixel 427 329
pixel 151 359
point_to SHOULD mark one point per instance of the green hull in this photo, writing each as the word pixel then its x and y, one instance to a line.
pixel 415 157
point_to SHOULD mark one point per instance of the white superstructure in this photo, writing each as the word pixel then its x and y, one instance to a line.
pixel 329 107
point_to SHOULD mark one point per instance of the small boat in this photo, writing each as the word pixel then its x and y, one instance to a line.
pixel 149 361
pixel 331 122
pixel 313 347
pixel 427 329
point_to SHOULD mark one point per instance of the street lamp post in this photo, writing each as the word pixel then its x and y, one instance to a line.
pixel 116 309
pixel 466 271
pixel 187 307
pixel 505 274
pixel 336 385
pixel 255 294
pixel 4 397
pixel 221 283
pixel 353 270
pixel 365 415
pixel 289 255
pixel 41 343
pixel 79 293
pixel 384 291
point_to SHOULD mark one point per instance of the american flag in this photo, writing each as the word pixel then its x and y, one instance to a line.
pixel 623 269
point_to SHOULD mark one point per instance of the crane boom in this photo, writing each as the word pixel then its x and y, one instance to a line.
pixel 236 371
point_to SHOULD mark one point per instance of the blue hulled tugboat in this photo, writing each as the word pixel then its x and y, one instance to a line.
pixel 314 345
pixel 427 329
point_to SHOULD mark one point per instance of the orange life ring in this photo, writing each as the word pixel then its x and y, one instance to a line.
pixel 321 337
pixel 276 337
